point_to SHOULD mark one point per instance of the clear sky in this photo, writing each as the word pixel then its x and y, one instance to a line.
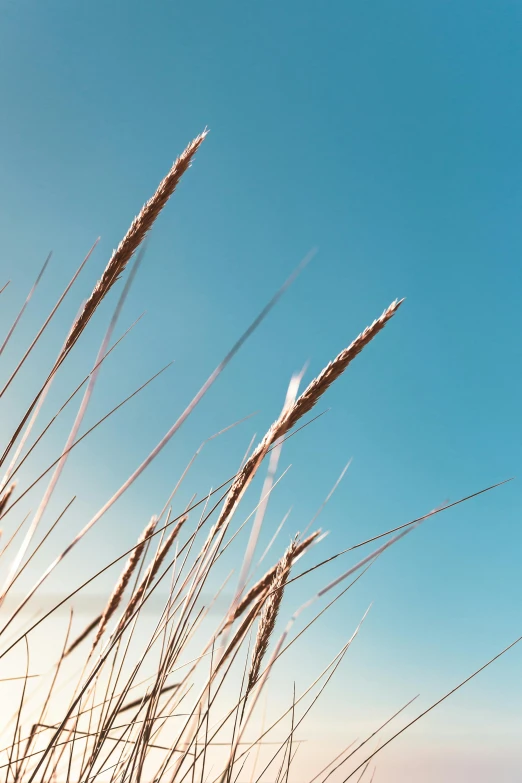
pixel 387 134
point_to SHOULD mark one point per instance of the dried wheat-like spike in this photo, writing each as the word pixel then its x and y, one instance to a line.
pixel 241 631
pixel 264 583
pixel 269 614
pixel 332 371
pixel 302 406
pixel 5 497
pixel 130 567
pixel 115 599
pixel 150 573
pixel 84 634
pixel 139 227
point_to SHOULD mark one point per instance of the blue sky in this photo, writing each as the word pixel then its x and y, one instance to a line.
pixel 387 135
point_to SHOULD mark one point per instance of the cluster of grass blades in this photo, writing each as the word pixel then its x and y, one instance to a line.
pixel 189 720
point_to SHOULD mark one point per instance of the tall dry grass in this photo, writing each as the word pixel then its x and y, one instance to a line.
pixel 176 703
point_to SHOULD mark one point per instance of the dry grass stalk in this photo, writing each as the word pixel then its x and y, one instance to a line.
pixel 5 497
pixel 301 407
pixel 24 306
pixel 269 614
pixel 150 573
pixel 241 631
pixel 334 369
pixel 265 582
pixel 139 227
pixel 117 594
pixel 84 634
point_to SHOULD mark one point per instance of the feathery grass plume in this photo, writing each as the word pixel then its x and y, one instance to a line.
pixel 265 582
pixel 241 631
pixel 304 403
pixel 130 567
pixel 84 634
pixel 117 594
pixel 332 371
pixel 5 497
pixel 139 227
pixel 269 614
pixel 150 573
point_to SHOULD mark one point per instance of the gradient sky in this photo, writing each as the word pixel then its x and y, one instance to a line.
pixel 387 134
